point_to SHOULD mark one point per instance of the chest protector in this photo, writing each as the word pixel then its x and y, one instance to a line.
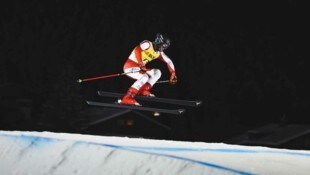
pixel 149 54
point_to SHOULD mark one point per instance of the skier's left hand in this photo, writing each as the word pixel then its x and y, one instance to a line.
pixel 173 78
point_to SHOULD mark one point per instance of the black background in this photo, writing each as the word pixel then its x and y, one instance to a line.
pixel 243 59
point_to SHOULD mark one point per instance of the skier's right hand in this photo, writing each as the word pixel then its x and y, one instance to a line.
pixel 173 78
pixel 143 69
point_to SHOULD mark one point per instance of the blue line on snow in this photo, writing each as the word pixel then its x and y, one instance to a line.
pixel 143 149
pixel 214 150
pixel 176 149
pixel 40 138
pixel 183 158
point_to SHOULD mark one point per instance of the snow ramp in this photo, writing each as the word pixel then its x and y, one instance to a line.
pixel 45 153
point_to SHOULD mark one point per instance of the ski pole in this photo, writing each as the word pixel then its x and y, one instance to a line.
pixel 105 76
pixel 166 81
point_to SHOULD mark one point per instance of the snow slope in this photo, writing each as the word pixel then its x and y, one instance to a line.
pixel 38 153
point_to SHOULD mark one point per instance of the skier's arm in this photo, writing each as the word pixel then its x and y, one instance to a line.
pixel 170 66
pixel 168 61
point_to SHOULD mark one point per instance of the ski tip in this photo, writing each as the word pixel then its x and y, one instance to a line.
pixel 181 111
pixel 198 103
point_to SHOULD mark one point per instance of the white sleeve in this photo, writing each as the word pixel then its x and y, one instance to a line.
pixel 168 61
pixel 145 45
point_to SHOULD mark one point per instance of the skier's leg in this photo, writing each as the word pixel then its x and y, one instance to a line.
pixel 154 75
pixel 141 79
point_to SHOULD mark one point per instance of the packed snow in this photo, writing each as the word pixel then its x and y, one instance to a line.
pixel 38 153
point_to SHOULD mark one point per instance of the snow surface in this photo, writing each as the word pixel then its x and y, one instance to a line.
pixel 45 153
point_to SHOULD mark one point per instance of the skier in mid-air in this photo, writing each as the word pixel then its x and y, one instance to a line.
pixel 145 78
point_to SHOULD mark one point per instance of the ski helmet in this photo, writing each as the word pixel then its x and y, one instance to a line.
pixel 160 40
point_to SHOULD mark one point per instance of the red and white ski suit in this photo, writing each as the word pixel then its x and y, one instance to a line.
pixel 140 56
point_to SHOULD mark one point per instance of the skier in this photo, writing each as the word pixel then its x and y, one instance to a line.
pixel 145 78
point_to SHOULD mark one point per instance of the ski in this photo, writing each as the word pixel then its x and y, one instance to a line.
pixel 154 99
pixel 142 108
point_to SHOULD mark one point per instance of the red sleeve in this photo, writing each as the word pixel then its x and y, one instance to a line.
pixel 138 52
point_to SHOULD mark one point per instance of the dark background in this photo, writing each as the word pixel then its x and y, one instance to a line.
pixel 243 59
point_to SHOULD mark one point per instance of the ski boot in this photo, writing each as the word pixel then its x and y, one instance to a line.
pixel 128 99
pixel 144 90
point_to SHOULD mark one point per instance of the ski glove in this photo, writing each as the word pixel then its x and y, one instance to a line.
pixel 143 69
pixel 173 78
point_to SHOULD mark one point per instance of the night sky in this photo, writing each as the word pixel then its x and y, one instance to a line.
pixel 241 58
